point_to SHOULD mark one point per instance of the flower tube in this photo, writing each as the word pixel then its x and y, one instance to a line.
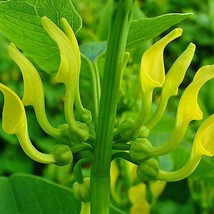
pixel 202 145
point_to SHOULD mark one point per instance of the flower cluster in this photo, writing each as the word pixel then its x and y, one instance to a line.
pixel 152 75
pixel 14 117
pixel 132 136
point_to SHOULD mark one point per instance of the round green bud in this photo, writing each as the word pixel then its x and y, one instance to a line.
pixel 148 170
pixel 79 133
pixel 140 149
pixel 144 132
pixel 86 116
pixel 126 130
pixel 82 191
pixel 62 154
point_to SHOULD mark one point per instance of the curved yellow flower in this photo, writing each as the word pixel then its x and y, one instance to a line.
pixel 188 110
pixel 174 78
pixel 68 74
pixel 152 73
pixel 84 113
pixel 14 122
pixel 203 145
pixel 204 138
pixel 33 90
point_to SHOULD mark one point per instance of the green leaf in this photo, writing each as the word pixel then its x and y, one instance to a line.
pixel 30 194
pixel 148 28
pixel 20 22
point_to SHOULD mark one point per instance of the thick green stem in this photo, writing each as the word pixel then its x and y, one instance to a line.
pixel 100 175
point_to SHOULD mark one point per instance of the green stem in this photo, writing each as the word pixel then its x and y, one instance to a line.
pixel 95 83
pixel 100 175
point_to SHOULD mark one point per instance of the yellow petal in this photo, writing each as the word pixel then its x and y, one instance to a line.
pixel 204 139
pixel 176 73
pixel 68 74
pixel 13 116
pixel 188 108
pixel 152 64
pixel 69 64
pixel 33 87
pixel 71 36
pixel 141 208
pixel 137 193
pixel 33 90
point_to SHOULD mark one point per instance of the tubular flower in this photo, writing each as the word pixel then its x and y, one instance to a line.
pixel 174 78
pixel 84 113
pixel 14 122
pixel 152 72
pixel 152 75
pixel 34 91
pixel 188 110
pixel 68 74
pixel 202 145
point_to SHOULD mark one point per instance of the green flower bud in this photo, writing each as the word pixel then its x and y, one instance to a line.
pixel 82 191
pixel 140 149
pixel 148 170
pixel 126 130
pixel 144 132
pixel 62 154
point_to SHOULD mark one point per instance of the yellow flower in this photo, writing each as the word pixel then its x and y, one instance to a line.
pixel 202 145
pixel 174 78
pixel 152 74
pixel 188 110
pixel 33 91
pixel 14 122
pixel 68 74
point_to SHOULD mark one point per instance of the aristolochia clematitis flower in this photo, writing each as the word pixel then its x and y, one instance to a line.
pixel 174 78
pixel 152 73
pixel 68 74
pixel 202 146
pixel 188 110
pixel 34 91
pixel 14 122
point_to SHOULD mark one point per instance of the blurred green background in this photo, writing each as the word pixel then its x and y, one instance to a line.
pixel 192 195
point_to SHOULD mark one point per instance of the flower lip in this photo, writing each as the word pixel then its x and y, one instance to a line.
pixel 14 118
pixel 203 142
pixel 152 63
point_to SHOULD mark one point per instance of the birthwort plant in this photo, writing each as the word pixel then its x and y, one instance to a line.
pixel 97 132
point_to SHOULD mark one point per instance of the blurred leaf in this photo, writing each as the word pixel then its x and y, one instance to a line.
pixel 14 160
pixel 30 194
pixel 171 207
pixel 20 23
pixel 148 28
